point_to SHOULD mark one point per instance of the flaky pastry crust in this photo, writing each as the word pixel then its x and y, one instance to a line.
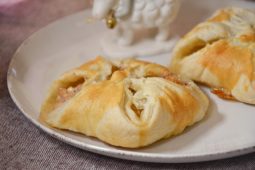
pixel 220 53
pixel 128 103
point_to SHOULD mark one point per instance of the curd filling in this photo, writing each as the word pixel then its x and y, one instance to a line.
pixel 65 94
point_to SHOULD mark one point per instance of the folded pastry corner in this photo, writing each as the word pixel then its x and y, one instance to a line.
pixel 130 103
pixel 220 53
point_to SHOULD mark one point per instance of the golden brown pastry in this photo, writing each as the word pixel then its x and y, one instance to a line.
pixel 128 103
pixel 220 52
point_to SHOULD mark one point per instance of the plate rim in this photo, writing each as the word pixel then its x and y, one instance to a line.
pixel 120 154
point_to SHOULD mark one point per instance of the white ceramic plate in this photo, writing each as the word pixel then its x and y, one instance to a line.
pixel 228 130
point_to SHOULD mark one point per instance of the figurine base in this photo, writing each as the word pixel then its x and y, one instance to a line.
pixel 147 47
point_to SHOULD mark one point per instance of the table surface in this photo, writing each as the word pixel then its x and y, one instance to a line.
pixel 22 145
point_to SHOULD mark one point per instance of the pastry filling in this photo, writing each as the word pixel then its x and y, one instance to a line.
pixel 222 93
pixel 175 79
pixel 67 93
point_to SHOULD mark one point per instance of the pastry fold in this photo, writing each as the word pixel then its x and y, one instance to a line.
pixel 220 53
pixel 128 103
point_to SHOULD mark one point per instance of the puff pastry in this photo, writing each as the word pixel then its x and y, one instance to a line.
pixel 220 53
pixel 127 103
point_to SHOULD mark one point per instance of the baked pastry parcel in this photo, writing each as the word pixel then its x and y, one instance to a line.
pixel 127 103
pixel 220 53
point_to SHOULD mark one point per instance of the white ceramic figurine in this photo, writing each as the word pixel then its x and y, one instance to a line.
pixel 129 16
